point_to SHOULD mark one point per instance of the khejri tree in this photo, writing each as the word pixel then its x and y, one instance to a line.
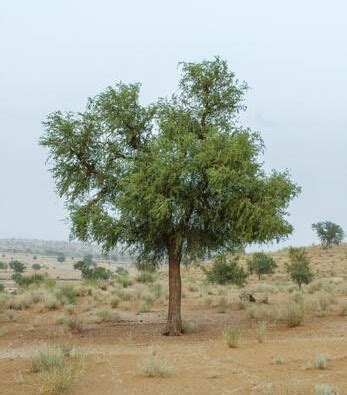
pixel 173 181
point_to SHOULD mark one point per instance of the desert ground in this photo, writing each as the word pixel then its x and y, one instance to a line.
pixel 110 333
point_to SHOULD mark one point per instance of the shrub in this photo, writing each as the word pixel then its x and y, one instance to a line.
pixel 74 323
pixel 152 366
pixel 3 265
pixel 2 287
pixel 89 272
pixel 106 315
pixel 52 303
pixel 261 263
pixel 114 302
pixel 324 389
pixel 189 326
pixel 232 336
pixel 66 294
pixel 145 277
pixel 58 368
pixel 25 281
pixel 329 233
pixel 226 271
pixel 61 258
pixel 320 362
pixel 299 268
pixel 157 290
pixel 294 314
pixel 260 331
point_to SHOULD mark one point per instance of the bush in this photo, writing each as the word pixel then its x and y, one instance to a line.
pixel 2 287
pixel 17 267
pixel 261 264
pixel 61 258
pixel 66 294
pixel 152 366
pixel 299 267
pixel 28 280
pixel 58 368
pixel 106 315
pixel 3 265
pixel 89 272
pixel 294 314
pixel 226 271
pixel 329 233
pixel 260 331
pixel 320 362
pixel 145 277
pixel 232 336
pixel 36 267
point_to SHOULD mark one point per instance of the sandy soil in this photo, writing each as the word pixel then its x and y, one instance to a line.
pixel 201 362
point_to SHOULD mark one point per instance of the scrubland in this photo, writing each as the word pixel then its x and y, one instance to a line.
pixel 104 337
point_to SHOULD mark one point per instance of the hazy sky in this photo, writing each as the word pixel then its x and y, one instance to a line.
pixel 293 54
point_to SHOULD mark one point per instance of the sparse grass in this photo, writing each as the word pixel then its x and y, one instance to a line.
pixel 145 278
pixel 52 303
pixel 57 368
pixel 293 314
pixel 189 326
pixel 260 331
pixel 153 366
pixel 320 361
pixel 324 389
pixel 74 323
pixel 106 315
pixel 114 302
pixel 232 336
pixel 222 304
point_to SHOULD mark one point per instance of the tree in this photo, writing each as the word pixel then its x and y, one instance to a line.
pixel 89 272
pixel 299 267
pixel 36 267
pixel 226 270
pixel 329 233
pixel 17 266
pixel 61 258
pixel 171 181
pixel 88 259
pixel 261 263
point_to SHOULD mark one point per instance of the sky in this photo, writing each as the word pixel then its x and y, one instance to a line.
pixel 293 55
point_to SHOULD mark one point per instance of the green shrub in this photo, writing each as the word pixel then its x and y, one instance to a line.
pixel 89 272
pixel 25 281
pixel 261 263
pixel 226 270
pixel 66 294
pixel 299 267
pixel 2 287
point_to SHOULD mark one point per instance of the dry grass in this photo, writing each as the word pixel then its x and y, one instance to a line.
pixel 232 336
pixel 153 366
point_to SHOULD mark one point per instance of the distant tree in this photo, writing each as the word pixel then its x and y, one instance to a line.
pixel 226 270
pixel 17 266
pixel 261 263
pixel 329 233
pixel 34 257
pixel 171 181
pixel 36 267
pixel 299 268
pixel 89 272
pixel 61 258
pixel 3 265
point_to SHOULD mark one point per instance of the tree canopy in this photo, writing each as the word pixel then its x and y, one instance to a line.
pixel 329 233
pixel 176 179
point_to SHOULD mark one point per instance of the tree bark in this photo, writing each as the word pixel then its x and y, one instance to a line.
pixel 174 321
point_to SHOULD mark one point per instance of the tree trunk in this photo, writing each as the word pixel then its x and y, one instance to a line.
pixel 174 322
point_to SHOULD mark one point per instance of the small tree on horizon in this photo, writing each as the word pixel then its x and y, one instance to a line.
pixel 329 233
pixel 172 181
pixel 36 267
pixel 261 263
